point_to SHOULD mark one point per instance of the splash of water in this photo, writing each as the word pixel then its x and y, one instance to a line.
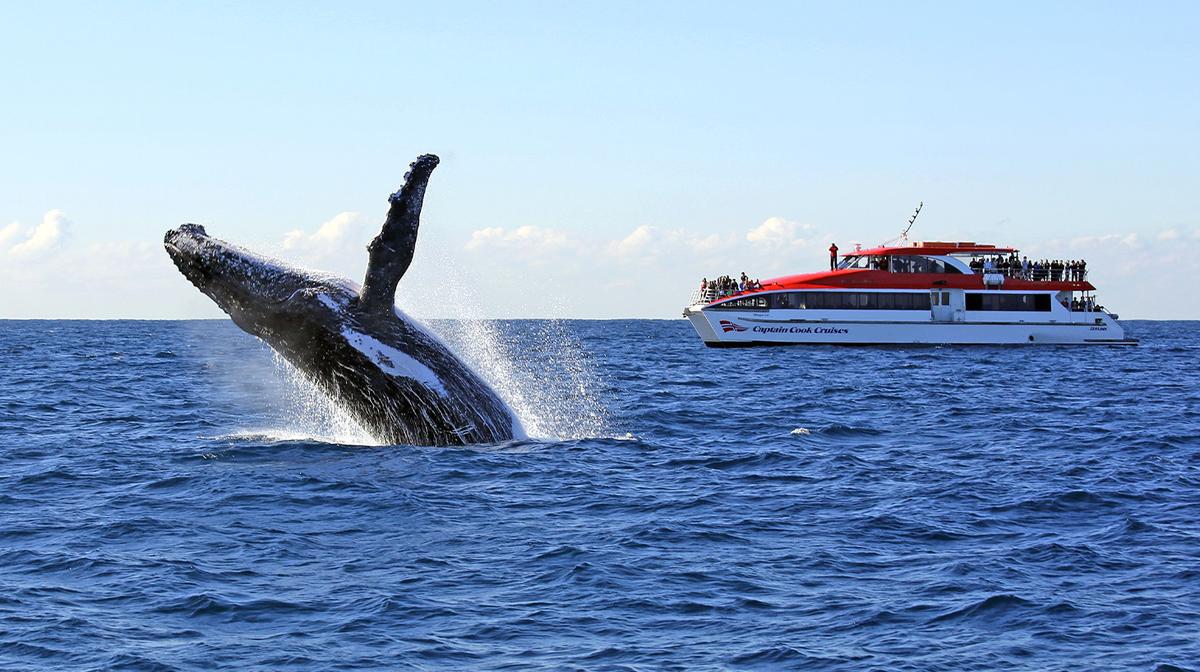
pixel 539 368
pixel 311 413
pixel 546 377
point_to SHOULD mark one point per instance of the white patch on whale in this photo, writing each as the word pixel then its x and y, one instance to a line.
pixel 331 303
pixel 391 360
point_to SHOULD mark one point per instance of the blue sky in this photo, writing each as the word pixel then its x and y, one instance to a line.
pixel 597 158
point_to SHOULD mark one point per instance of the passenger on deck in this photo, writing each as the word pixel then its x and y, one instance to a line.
pixel 833 249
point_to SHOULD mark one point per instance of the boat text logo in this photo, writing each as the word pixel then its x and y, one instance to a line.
pixel 800 330
pixel 727 326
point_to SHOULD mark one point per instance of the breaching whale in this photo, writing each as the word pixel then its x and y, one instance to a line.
pixel 396 379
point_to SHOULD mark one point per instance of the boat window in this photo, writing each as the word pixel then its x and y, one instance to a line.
pixel 835 300
pixel 855 262
pixel 1010 302
pixel 745 303
pixel 919 264
pixel 787 300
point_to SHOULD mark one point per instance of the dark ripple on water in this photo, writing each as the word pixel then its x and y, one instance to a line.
pixel 809 508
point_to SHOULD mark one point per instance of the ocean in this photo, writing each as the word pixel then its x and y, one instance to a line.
pixel 172 497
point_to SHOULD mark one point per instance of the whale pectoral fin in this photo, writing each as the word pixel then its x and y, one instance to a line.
pixel 391 252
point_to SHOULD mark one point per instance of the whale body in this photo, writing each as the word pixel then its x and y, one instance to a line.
pixel 400 382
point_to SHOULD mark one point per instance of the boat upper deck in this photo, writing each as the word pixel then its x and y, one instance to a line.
pixel 922 266
pixel 935 248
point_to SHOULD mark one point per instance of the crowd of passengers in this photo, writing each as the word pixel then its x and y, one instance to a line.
pixel 727 286
pixel 1021 267
pixel 1085 303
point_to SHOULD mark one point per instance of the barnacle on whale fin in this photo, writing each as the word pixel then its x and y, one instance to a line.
pixel 424 162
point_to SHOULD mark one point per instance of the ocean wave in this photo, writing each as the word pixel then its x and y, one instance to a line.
pixel 984 508
pixel 992 607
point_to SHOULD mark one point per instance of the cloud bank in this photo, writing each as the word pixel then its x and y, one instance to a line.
pixel 54 268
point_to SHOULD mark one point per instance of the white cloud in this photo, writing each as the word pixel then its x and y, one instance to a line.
pixel 648 243
pixel 779 231
pixel 530 239
pixel 636 243
pixel 644 244
pixel 46 236
pixel 8 232
pixel 330 237
pixel 1106 240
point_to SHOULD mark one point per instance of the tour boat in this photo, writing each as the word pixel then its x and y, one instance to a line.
pixel 912 293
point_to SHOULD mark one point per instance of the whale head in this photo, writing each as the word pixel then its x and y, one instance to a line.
pixel 261 294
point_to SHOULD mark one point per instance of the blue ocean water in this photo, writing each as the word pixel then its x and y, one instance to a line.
pixel 164 505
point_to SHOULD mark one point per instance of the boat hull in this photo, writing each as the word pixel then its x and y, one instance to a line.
pixel 718 328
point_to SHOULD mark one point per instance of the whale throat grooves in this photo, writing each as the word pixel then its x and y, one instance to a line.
pixel 391 252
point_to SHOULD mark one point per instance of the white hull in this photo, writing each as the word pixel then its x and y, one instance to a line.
pixel 785 327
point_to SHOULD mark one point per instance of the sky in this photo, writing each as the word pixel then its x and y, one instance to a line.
pixel 598 159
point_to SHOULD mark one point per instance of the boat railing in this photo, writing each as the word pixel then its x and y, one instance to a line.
pixel 1037 274
pixel 707 296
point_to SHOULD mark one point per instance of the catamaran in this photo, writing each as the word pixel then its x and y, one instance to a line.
pixel 912 293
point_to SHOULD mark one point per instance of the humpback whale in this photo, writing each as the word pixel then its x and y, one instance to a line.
pixel 395 378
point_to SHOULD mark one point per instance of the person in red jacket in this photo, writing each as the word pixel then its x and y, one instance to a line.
pixel 833 256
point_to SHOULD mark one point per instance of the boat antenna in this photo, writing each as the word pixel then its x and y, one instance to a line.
pixel 904 233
